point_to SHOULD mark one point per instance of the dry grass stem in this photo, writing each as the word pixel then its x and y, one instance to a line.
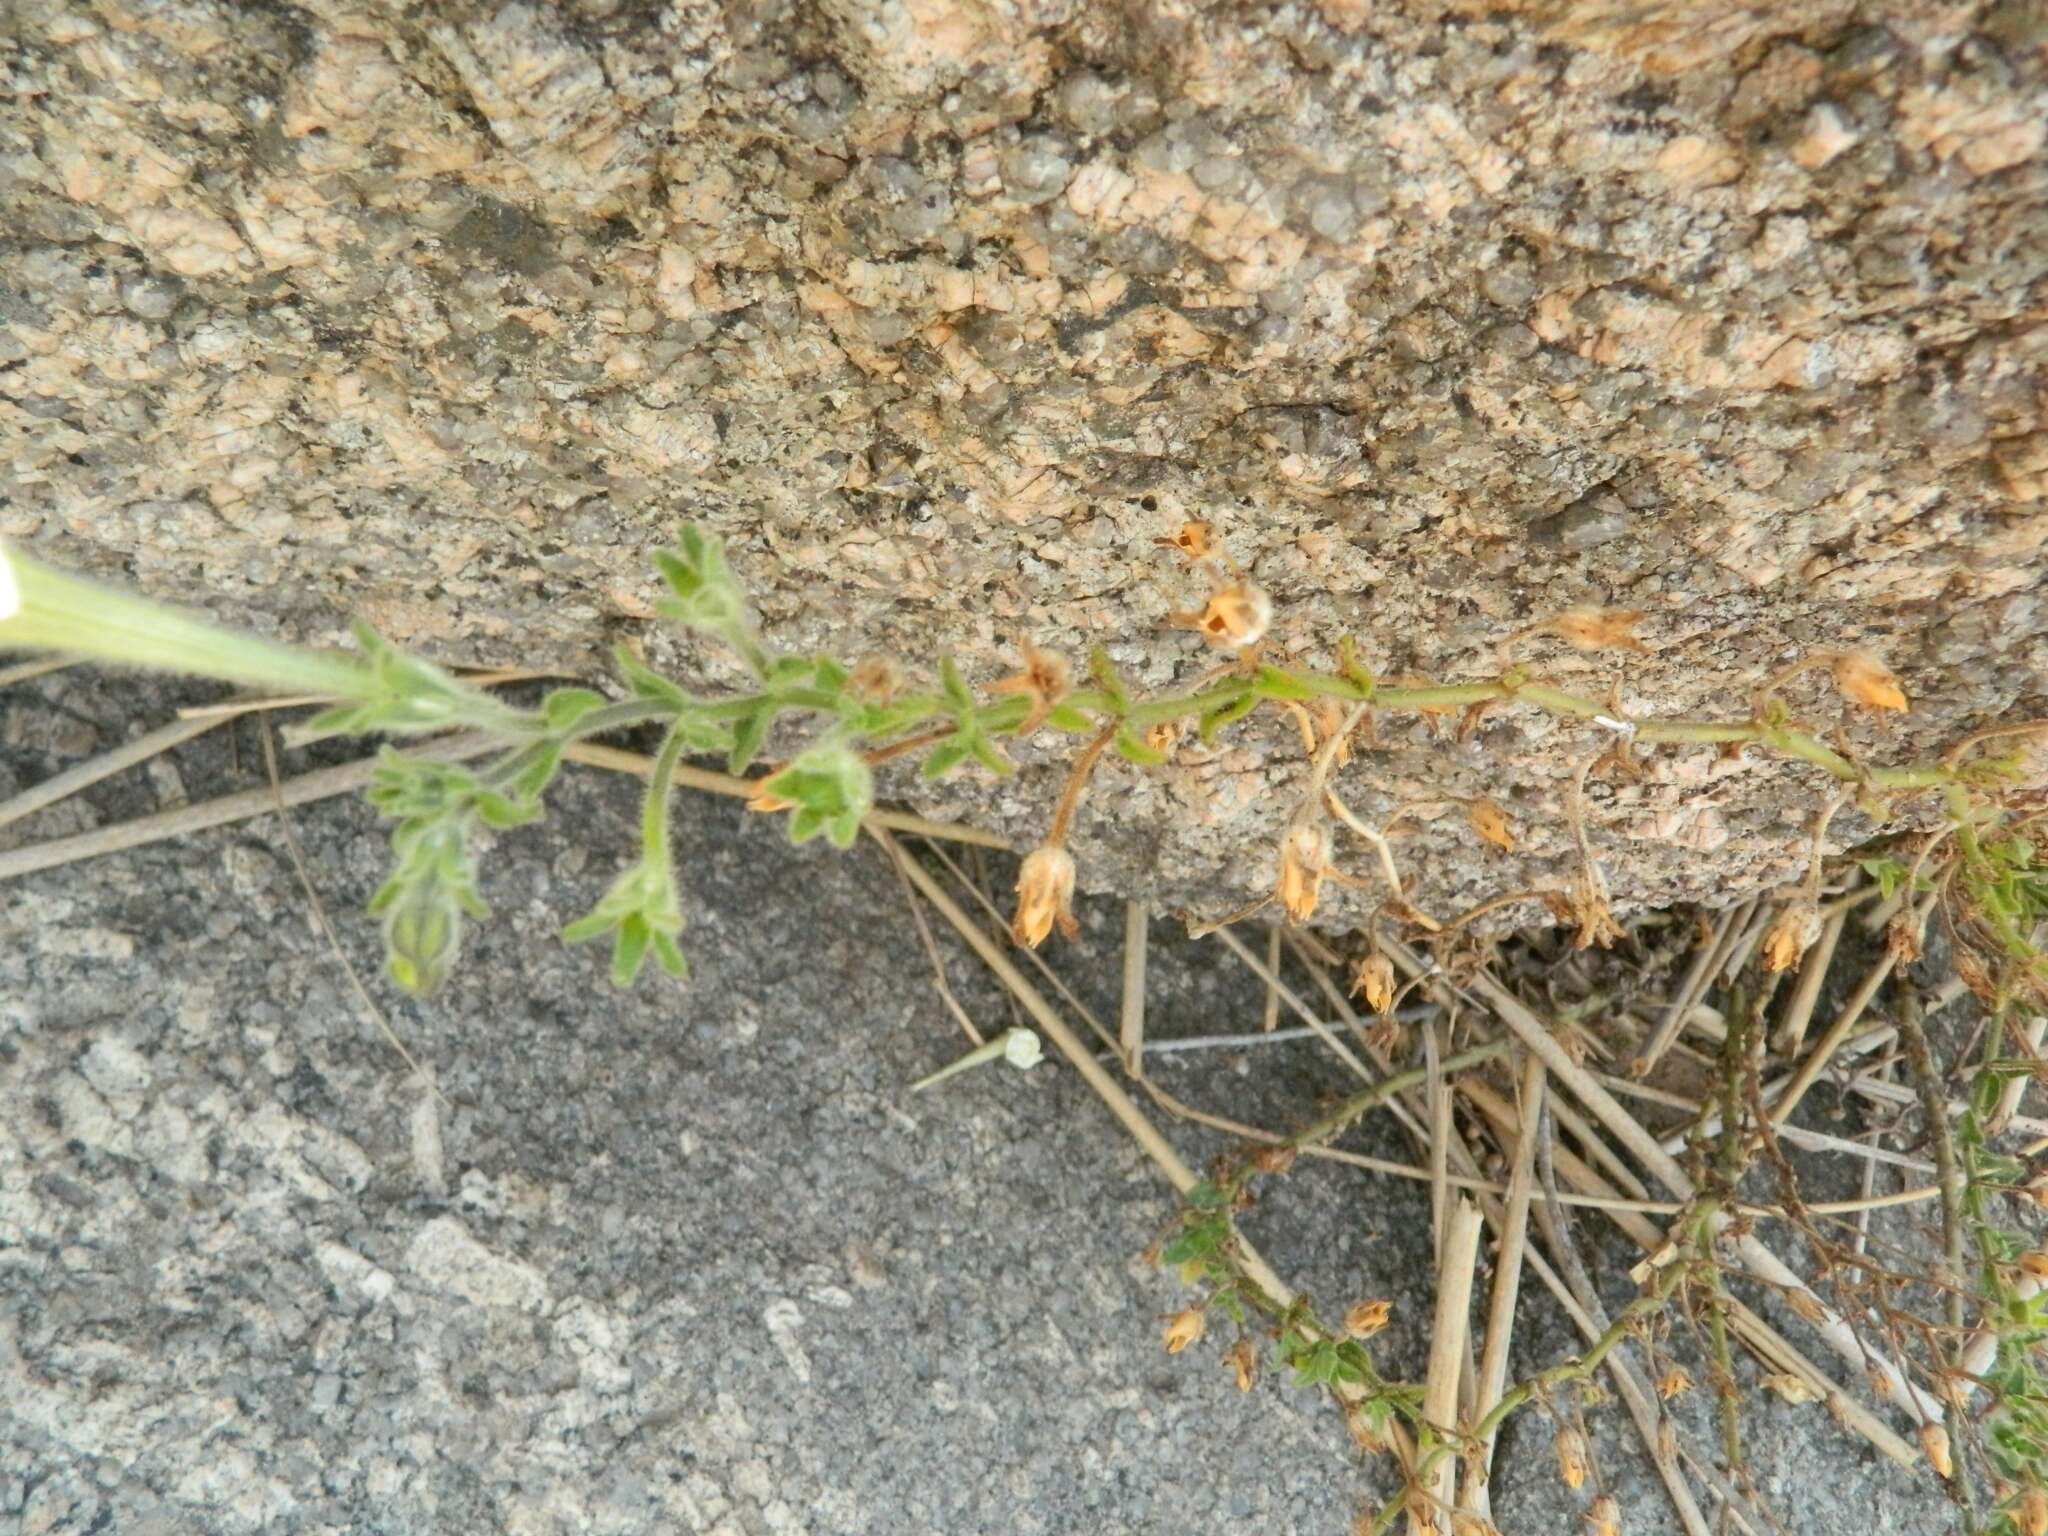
pixel 183 820
pixel 1131 1031
pixel 84 775
pixel 1448 1335
pixel 1507 1282
pixel 1689 992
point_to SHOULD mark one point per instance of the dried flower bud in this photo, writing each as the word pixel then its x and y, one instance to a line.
pixel 2035 1264
pixel 875 680
pixel 1367 1318
pixel 1591 912
pixel 1902 938
pixel 1491 823
pixel 1195 540
pixel 1237 616
pixel 1044 680
pixel 1934 1441
pixel 1673 1383
pixel 1807 1306
pixel 1274 1159
pixel 1868 681
pixel 1243 1361
pixel 1165 736
pixel 1465 1523
pixel 1791 936
pixel 1374 981
pixel 1792 1388
pixel 767 803
pixel 1330 717
pixel 1304 860
pixel 1185 1328
pixel 1045 894
pixel 1595 629
pixel 2032 1514
pixel 1573 1460
pixel 1604 1518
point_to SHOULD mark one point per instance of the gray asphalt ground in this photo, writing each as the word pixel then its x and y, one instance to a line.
pixel 683 1259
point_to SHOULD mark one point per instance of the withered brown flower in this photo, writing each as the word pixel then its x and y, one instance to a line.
pixel 1044 680
pixel 1045 894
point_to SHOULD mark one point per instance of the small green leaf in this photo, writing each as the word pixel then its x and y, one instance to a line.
pixel 629 948
pixel 944 758
pixel 1065 717
pixel 958 695
pixel 645 683
pixel 1103 670
pixel 564 707
pixel 1228 714
pixel 990 756
pixel 748 736
pixel 829 676
pixel 703 594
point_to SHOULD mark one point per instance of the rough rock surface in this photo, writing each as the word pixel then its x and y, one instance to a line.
pixel 670 1261
pixel 1448 315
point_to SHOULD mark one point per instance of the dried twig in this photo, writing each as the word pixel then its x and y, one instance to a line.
pixel 84 775
pixel 1447 1338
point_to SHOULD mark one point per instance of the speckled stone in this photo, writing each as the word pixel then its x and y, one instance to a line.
pixel 944 311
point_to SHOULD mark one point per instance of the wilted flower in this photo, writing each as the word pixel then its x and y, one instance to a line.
pixel 1273 1159
pixel 1791 936
pixel 1374 981
pixel 1673 1383
pixel 1866 680
pixel 1572 1460
pixel 1604 1518
pixel 1044 681
pixel 1902 938
pixel 1304 860
pixel 1367 1318
pixel 1045 894
pixel 1185 1328
pixel 1804 1303
pixel 1595 629
pixel 1589 909
pixel 2035 1264
pixel 1934 1441
pixel 1237 616
pixel 1791 1387
pixel 1491 823
pixel 875 680
pixel 1243 1361
pixel 1195 540
pixel 1165 736
pixel 2032 1517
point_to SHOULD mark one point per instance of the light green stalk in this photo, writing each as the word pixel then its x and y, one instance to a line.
pixel 42 609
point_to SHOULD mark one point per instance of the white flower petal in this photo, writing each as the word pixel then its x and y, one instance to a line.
pixel 1021 1049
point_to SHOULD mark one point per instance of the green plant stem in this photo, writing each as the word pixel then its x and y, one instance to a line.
pixel 661 780
pixel 61 612
pixel 1362 1103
